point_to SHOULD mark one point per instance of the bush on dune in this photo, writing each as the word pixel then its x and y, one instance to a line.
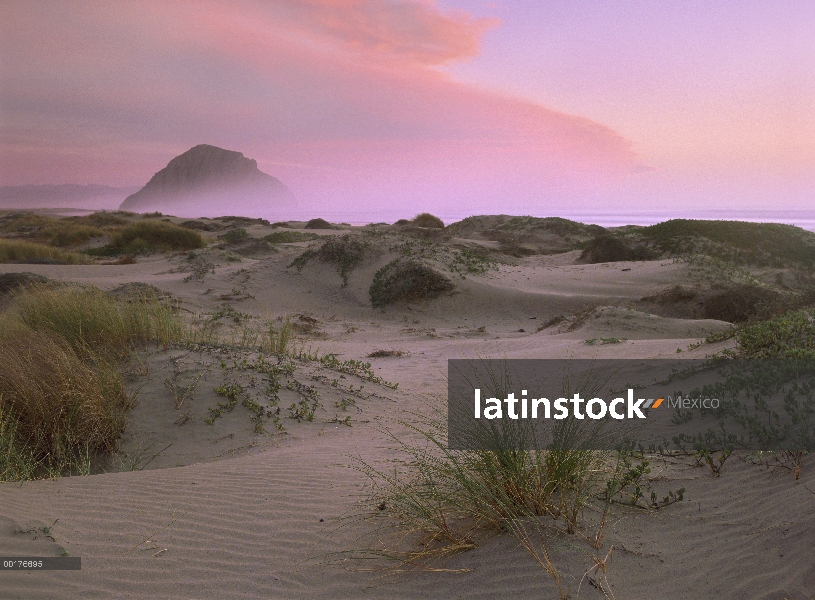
pixel 428 220
pixel 407 280
pixel 234 235
pixel 318 224
pixel 345 252
pixel 290 237
pixel 607 248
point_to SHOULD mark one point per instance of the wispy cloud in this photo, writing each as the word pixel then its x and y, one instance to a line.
pixel 337 97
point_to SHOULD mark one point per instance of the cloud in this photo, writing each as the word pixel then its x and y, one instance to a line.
pixel 408 31
pixel 337 97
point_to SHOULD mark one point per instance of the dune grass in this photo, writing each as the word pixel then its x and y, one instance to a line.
pixel 74 234
pixel 144 237
pixel 444 501
pixel 19 251
pixel 61 232
pixel 62 395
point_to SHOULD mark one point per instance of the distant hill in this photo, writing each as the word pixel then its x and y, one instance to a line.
pixel 63 196
pixel 209 181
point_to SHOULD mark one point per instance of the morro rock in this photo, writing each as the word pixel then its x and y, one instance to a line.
pixel 207 181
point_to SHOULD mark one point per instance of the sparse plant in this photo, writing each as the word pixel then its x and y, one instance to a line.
pixel 280 339
pixel 345 252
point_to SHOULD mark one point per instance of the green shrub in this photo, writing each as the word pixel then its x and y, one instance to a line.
pixel 234 235
pixel 736 241
pixel 345 252
pixel 608 248
pixel 791 335
pixel 318 224
pixel 428 220
pixel 102 219
pixel 407 280
pixel 740 303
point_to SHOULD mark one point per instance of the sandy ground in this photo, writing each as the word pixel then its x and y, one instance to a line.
pixel 219 511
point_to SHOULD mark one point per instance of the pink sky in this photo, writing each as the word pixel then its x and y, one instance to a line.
pixel 511 107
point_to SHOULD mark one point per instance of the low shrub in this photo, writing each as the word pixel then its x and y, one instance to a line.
pixel 428 220
pixel 791 335
pixel 234 235
pixel 407 280
pixel 740 303
pixel 202 225
pixel 289 237
pixel 318 224
pixel 345 252
pixel 608 248
pixel 103 218
pixel 245 221
pixel 735 241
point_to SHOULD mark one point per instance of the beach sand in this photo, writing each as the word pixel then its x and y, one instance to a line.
pixel 219 511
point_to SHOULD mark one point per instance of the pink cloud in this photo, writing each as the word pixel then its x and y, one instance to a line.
pixel 408 31
pixel 337 97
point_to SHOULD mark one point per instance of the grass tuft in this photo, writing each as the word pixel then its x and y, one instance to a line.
pixel 18 251
pixel 144 237
pixel 62 396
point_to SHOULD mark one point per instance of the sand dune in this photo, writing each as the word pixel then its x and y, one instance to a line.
pixel 223 512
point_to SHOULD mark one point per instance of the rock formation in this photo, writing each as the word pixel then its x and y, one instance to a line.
pixel 209 181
